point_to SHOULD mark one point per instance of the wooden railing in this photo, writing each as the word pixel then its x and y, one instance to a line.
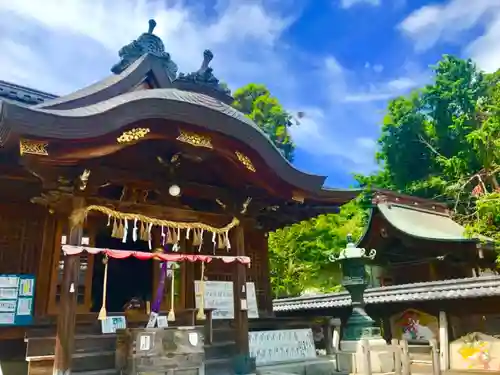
pixel 405 362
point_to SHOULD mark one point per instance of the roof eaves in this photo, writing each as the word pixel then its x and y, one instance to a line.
pixel 16 93
pixel 434 290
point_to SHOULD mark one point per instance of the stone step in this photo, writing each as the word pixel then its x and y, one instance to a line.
pixel 225 349
pixel 221 366
pixel 88 362
pixel 104 364
pixel 44 346
pixel 223 334
pixel 98 372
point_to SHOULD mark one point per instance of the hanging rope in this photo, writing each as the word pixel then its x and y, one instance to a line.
pixel 79 217
pixel 102 312
pixel 201 309
pixel 171 313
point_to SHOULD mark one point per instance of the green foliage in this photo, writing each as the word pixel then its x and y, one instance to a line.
pixel 424 145
pixel 299 253
pixel 266 111
pixel 440 142
pixel 443 141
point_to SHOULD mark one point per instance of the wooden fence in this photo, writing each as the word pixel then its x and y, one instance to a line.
pixel 408 359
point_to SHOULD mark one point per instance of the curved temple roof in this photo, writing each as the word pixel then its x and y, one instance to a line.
pixel 427 220
pixel 16 93
pixel 197 98
pixel 423 224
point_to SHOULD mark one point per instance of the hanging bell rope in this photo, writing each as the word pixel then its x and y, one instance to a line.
pixel 171 313
pixel 201 309
pixel 102 313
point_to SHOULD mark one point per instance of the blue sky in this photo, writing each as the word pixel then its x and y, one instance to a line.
pixel 339 61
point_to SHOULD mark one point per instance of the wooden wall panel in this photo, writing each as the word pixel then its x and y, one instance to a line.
pixel 22 240
pixel 256 249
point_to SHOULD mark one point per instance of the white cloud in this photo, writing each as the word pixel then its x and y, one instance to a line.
pixel 344 131
pixel 448 22
pixel 346 4
pixel 341 133
pixel 83 37
pixel 62 45
pixel 377 68
pixel 317 129
pixel 485 50
pixel 385 91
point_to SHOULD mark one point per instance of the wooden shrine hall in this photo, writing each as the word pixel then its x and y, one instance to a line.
pixel 95 182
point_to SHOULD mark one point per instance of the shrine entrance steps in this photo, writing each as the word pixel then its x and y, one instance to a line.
pixel 95 352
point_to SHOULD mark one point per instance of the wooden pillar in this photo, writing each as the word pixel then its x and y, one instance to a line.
pixel 432 272
pixel 42 291
pixel 444 345
pixel 240 294
pixel 66 320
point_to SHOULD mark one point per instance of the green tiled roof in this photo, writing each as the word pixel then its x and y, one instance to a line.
pixel 423 223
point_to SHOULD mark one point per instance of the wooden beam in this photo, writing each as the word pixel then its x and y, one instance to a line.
pixel 240 295
pixel 151 181
pixel 65 338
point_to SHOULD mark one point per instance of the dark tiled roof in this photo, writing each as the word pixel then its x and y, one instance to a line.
pixel 170 104
pixel 21 94
pixel 114 85
pixel 473 287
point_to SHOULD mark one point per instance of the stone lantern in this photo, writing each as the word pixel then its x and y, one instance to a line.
pixel 359 326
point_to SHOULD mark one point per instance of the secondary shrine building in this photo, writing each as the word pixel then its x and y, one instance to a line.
pixel 428 280
pixel 101 185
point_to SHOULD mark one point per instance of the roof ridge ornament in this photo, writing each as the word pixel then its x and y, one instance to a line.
pixel 204 76
pixel 146 43
pixel 152 25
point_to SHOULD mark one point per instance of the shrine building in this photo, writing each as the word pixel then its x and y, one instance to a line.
pixel 99 187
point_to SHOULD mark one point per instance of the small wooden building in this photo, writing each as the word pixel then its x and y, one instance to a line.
pixel 426 270
pixel 165 148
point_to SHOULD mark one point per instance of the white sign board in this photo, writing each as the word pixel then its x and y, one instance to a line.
pixel 111 323
pixel 271 347
pixel 218 295
pixel 162 321
pixel 145 343
pixel 153 317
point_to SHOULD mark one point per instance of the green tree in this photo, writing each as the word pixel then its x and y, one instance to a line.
pixel 485 141
pixel 299 254
pixel 424 146
pixel 443 142
pixel 256 102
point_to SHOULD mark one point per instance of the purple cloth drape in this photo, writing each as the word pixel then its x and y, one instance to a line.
pixel 161 287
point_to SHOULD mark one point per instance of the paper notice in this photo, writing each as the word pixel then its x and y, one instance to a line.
pixel 24 306
pixel 145 343
pixel 7 318
pixel 162 321
pixel 26 287
pixel 8 293
pixel 8 281
pixel 152 320
pixel 7 306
